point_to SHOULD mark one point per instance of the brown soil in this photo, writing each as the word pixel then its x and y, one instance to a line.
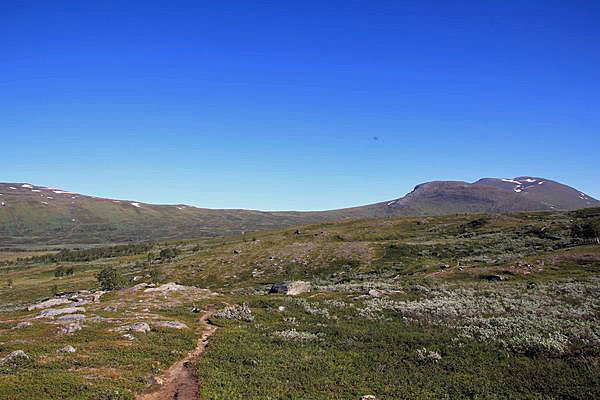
pixel 180 381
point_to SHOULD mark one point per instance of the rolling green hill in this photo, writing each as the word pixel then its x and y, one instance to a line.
pixel 36 215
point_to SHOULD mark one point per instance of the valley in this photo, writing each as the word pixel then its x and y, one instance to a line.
pixel 415 307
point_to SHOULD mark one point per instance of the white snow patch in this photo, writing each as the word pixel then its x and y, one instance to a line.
pixel 73 220
pixel 3 204
pixel 530 180
pixel 136 205
pixel 35 190
pixel 391 202
pixel 13 188
pixel 539 183
pixel 28 186
pixel 116 201
pixel 60 192
pixel 512 181
pixel 48 197
pixel 44 202
pixel 518 190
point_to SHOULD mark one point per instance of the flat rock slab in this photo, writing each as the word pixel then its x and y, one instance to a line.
pixel 50 313
pixel 67 349
pixel 167 287
pixel 70 317
pixel 139 327
pixel 171 324
pixel 48 303
pixel 23 324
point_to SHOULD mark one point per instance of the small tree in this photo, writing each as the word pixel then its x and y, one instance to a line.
pixel 69 271
pixel 59 271
pixel 155 275
pixel 109 279
pixel 168 253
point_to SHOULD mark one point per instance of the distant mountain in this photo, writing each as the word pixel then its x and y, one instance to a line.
pixel 31 214
pixel 491 195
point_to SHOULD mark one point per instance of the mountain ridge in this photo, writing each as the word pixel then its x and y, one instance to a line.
pixel 38 214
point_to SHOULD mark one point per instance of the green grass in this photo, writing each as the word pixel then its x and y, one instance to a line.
pixel 356 356
pixel 368 346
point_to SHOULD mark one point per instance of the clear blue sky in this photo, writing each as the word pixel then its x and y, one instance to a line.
pixel 277 105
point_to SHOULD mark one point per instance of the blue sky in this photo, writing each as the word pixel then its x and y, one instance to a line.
pixel 296 105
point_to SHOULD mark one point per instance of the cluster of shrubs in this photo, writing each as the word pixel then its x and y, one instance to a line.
pixel 62 271
pixel 92 254
pixel 236 312
pixel 548 320
pixel 294 335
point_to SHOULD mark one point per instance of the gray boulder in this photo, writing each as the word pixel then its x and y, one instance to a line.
pixel 375 293
pixel 67 349
pixel 291 288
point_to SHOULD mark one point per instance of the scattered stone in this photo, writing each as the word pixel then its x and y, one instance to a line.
pixel 368 397
pixel 52 312
pixel 171 324
pixel 444 266
pixel 71 328
pixel 236 252
pixel 128 336
pixel 291 288
pixel 297 232
pixel 48 303
pixel 22 325
pixel 137 327
pixel 281 308
pixel 531 285
pixel 195 310
pixel 67 349
pixel 14 356
pixel 111 308
pixel 71 317
pixel 375 293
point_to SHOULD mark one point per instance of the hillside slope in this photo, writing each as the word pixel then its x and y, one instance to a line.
pixel 32 214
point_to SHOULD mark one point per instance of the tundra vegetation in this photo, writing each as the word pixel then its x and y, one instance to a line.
pixel 458 307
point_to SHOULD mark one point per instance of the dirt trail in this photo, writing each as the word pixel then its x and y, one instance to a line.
pixel 180 381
